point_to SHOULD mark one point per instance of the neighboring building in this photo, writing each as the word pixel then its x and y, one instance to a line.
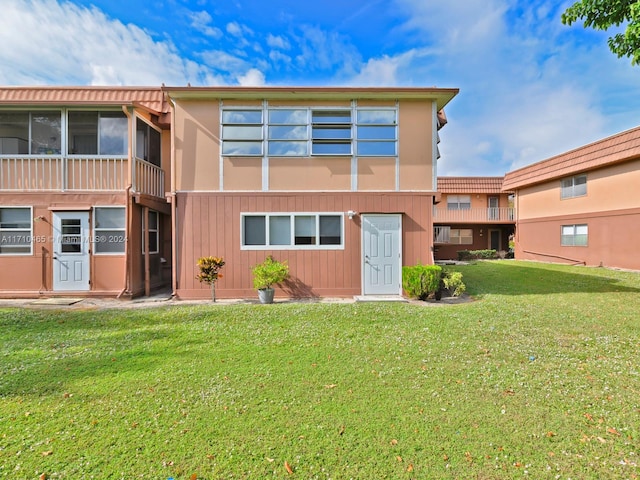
pixel 473 213
pixel 339 182
pixel 82 186
pixel 582 206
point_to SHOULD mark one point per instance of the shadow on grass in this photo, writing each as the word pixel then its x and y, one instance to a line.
pixel 53 352
pixel 524 278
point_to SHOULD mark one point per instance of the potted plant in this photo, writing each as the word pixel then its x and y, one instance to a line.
pixel 210 272
pixel 266 274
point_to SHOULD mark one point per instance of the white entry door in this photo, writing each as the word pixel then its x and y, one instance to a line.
pixel 382 254
pixel 70 251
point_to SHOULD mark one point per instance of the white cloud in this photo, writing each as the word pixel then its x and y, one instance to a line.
pixel 201 21
pixel 278 41
pixel 46 42
pixel 253 78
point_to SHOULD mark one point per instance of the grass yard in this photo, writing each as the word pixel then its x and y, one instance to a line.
pixel 539 378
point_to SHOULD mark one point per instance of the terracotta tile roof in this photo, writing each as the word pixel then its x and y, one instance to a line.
pixel 151 98
pixel 470 184
pixel 618 148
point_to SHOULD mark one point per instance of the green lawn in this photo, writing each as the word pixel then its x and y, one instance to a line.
pixel 539 378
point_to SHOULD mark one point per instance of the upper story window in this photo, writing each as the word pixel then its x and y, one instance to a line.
pixel 97 133
pixel 574 186
pixel 331 132
pixel 30 133
pixel 458 202
pixel 242 132
pixel 305 131
pixel 15 230
pixel 148 143
pixel 288 132
pixel 376 132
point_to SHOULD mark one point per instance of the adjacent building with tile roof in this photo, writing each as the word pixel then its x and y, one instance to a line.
pixel 471 213
pixel 582 206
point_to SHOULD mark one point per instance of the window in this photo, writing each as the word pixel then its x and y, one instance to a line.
pixel 291 231
pixel 331 132
pixel 15 231
pixel 242 132
pixel 300 132
pixel 458 202
pixel 97 133
pixel 154 239
pixel 461 236
pixel 147 143
pixel 288 132
pixel 109 230
pixel 441 234
pixel 574 235
pixel 574 187
pixel 376 132
pixel 35 133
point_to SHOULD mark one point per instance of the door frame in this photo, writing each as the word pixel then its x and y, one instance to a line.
pixel 490 231
pixel 363 218
pixel 56 218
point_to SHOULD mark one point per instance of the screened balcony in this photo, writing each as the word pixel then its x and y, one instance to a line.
pixel 473 215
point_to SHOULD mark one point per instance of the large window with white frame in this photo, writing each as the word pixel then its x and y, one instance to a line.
pixel 573 186
pixel 15 231
pixel 309 131
pixel 109 230
pixel 376 132
pixel 97 133
pixel 288 132
pixel 242 132
pixel 35 132
pixel 574 235
pixel 458 202
pixel 281 231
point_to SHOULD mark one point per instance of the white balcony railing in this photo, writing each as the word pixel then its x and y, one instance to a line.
pixel 474 215
pixel 148 178
pixel 58 173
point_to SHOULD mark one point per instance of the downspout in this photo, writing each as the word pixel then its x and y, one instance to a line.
pixel 172 201
pixel 127 210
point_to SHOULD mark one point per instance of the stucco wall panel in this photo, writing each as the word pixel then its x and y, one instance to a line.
pixel 315 173
pixel 611 188
pixel 197 145
pixel 242 173
pixel 376 173
pixel 415 146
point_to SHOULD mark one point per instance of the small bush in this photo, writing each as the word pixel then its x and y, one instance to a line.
pixel 452 281
pixel 420 281
pixel 476 254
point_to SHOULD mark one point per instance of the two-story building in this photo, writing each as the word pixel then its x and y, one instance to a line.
pixel 472 213
pixel 339 182
pixel 82 191
pixel 582 206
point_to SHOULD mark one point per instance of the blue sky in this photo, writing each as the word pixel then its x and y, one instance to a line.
pixel 530 87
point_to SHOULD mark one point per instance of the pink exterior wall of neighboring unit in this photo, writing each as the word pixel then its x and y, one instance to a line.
pixel 209 224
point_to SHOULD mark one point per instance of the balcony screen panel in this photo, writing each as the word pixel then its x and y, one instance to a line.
pixel 14 133
pixel 45 133
pixel 113 133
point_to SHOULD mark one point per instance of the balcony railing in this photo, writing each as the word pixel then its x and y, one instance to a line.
pixel 58 173
pixel 474 215
pixel 148 178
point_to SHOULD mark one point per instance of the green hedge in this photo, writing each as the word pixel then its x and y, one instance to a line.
pixel 476 254
pixel 420 281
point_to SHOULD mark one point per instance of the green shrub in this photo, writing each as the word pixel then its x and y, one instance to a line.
pixel 420 281
pixel 269 272
pixel 476 254
pixel 452 281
